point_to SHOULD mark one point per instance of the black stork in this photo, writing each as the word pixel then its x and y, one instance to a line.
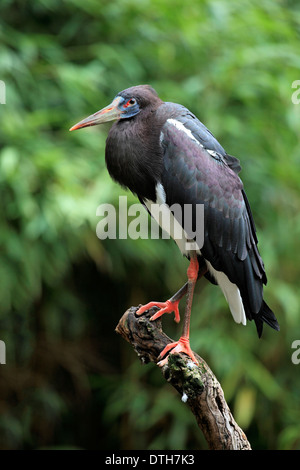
pixel 165 155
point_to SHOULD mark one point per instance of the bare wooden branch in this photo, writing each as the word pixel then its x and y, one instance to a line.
pixel 196 384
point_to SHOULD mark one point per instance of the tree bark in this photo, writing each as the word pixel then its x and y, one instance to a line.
pixel 196 384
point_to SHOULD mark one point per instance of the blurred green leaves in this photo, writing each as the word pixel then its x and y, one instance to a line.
pixel 62 290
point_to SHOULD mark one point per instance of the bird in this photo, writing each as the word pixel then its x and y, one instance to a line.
pixel 166 156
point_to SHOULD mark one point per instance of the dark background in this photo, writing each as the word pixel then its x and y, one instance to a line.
pixel 69 380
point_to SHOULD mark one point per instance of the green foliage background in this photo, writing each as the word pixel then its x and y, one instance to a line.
pixel 70 381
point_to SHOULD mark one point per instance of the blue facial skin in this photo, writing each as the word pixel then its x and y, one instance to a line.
pixel 128 106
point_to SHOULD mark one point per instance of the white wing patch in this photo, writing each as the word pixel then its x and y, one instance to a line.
pixel 161 212
pixel 231 293
pixel 160 194
pixel 181 127
pixel 213 153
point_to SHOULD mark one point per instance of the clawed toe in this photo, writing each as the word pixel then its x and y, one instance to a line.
pixel 180 346
pixel 164 307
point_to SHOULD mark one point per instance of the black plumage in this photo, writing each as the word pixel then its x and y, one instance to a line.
pixel 155 145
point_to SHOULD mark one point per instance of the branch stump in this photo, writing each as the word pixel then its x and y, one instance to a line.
pixel 197 385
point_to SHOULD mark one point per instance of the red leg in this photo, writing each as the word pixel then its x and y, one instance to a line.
pixel 183 345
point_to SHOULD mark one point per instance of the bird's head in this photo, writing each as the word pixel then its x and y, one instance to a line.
pixel 125 105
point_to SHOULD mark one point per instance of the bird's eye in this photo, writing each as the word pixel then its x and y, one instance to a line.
pixel 130 102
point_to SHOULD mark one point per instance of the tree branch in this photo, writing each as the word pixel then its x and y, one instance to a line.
pixel 196 384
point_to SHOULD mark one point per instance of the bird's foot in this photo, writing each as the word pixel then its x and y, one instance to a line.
pixel 164 307
pixel 180 346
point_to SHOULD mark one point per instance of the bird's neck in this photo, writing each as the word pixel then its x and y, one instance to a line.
pixel 133 154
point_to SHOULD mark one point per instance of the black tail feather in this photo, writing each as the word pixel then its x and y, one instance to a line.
pixel 265 315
